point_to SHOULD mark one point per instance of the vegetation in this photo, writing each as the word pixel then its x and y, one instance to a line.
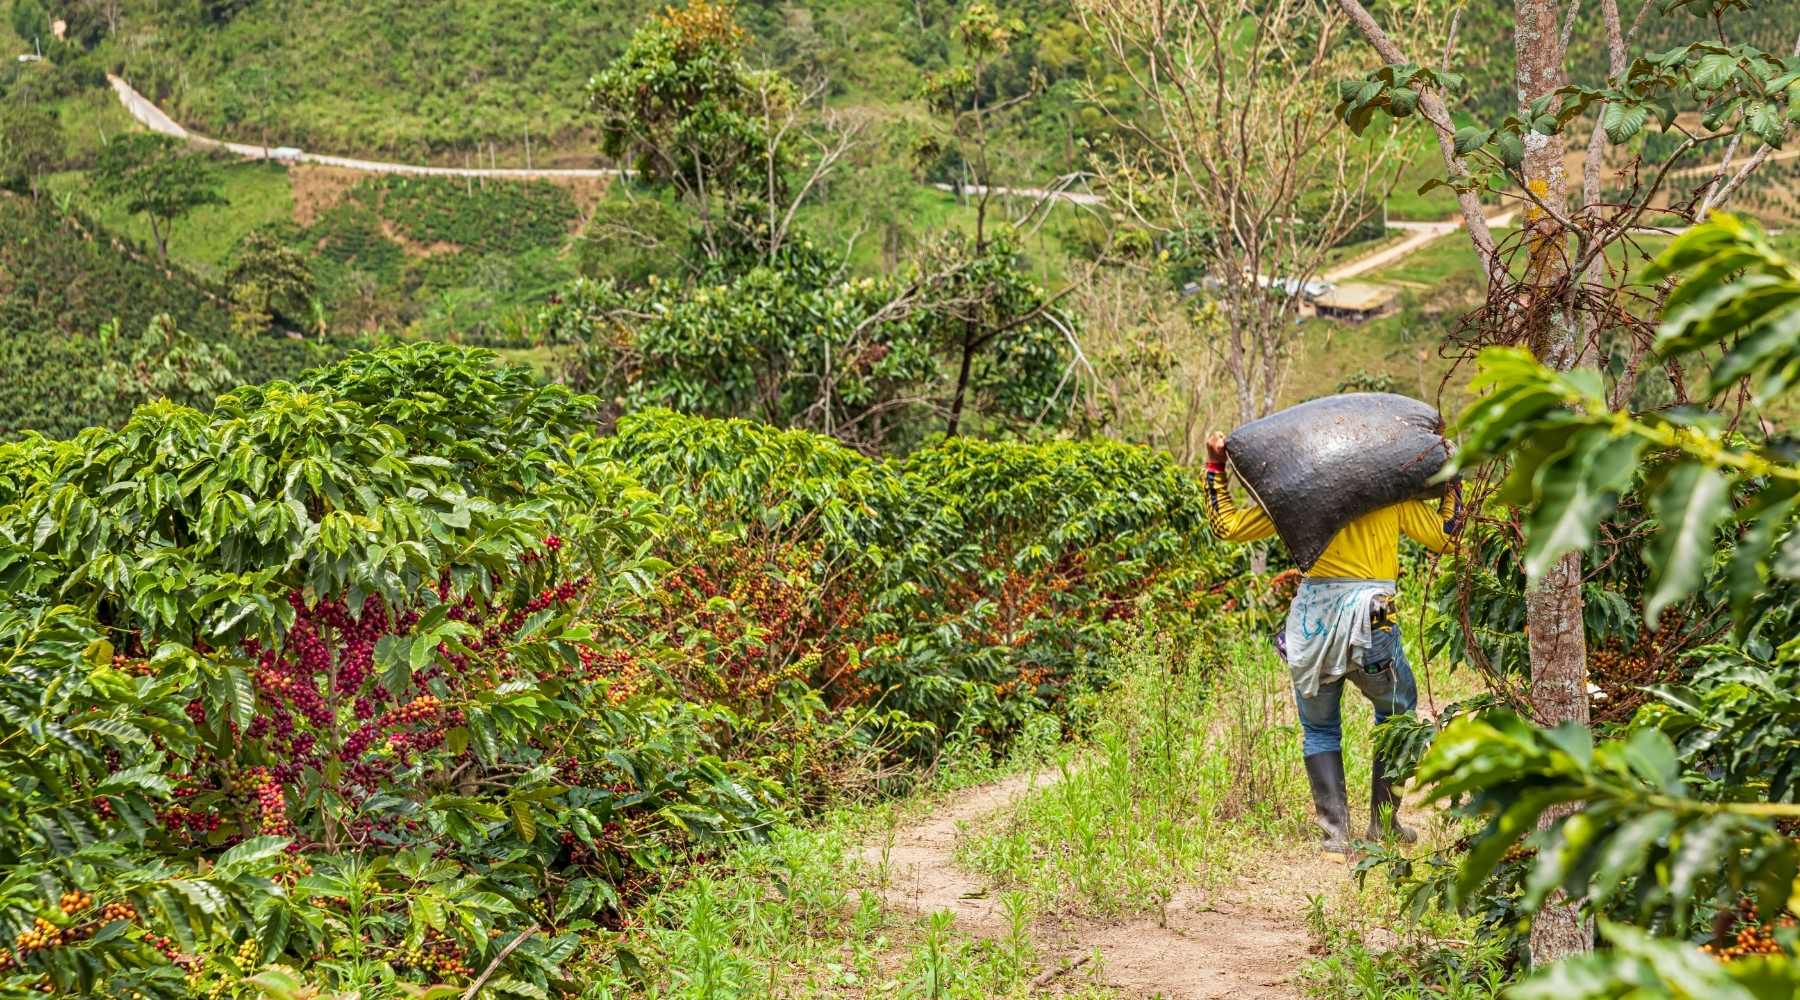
pixel 31 144
pixel 395 78
pixel 849 487
pixel 155 176
pixel 79 303
pixel 527 709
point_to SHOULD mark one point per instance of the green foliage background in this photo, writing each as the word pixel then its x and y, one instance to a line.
pixel 65 277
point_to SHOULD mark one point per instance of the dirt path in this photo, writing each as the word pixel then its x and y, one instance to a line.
pixel 1245 941
pixel 921 875
pixel 156 120
pixel 1422 234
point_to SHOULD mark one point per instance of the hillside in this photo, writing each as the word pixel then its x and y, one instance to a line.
pixel 62 278
pixel 452 80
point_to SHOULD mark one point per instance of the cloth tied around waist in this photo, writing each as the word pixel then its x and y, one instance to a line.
pixel 1329 629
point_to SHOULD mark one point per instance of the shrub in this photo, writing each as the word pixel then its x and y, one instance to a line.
pixel 353 626
pixel 393 670
pixel 67 279
pixel 969 577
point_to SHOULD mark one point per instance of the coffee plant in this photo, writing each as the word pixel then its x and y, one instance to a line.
pixel 67 280
pixel 308 629
pixel 1686 832
pixel 396 675
pixel 968 577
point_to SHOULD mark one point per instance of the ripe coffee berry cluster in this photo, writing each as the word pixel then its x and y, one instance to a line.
pixel 271 803
pixel 164 945
pixel 551 544
pixel 40 935
pixel 1754 936
pixel 118 911
pixel 74 902
pixel 321 708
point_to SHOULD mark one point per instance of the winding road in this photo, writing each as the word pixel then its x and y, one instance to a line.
pixel 157 120
pixel 141 108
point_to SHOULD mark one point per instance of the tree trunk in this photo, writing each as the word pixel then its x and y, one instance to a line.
pixel 1553 607
pixel 162 242
pixel 962 383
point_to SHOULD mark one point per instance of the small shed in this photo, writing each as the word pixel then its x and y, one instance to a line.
pixel 1357 302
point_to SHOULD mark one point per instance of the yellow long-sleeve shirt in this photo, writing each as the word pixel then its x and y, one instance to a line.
pixel 1367 548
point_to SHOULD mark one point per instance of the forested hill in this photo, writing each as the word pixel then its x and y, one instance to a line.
pixel 442 79
pixel 77 307
pixel 438 78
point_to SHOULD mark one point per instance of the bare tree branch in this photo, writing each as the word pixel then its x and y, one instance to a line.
pixel 1431 106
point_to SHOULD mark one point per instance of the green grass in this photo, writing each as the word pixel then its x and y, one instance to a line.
pixel 89 119
pixel 1423 162
pixel 921 211
pixel 1448 257
pixel 1405 201
pixel 802 916
pixel 1437 956
pixel 1194 765
pixel 254 193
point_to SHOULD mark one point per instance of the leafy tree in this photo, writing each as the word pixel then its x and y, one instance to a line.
pixel 961 150
pixel 1740 296
pixel 269 280
pixel 31 23
pixel 335 682
pixel 1008 345
pixel 1001 336
pixel 155 175
pixel 1564 300
pixel 31 145
pixel 632 236
pixel 684 107
pixel 165 362
pixel 1667 839
pixel 873 362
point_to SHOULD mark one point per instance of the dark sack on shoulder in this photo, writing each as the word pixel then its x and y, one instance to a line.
pixel 1318 466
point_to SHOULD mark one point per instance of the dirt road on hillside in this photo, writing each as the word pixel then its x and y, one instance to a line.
pixel 156 120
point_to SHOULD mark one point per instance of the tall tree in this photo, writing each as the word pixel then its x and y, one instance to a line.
pixel 743 148
pixel 269 281
pixel 1555 633
pixel 994 323
pixel 1228 153
pixel 1564 301
pixel 31 145
pixel 158 177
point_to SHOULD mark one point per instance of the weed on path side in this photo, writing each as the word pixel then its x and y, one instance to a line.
pixel 822 909
pixel 1194 772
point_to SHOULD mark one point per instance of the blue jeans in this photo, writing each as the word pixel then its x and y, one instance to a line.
pixel 1386 680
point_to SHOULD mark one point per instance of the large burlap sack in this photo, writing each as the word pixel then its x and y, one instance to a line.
pixel 1318 466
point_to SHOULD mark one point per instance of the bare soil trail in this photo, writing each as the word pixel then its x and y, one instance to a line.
pixel 1243 941
pixel 157 120
pixel 921 875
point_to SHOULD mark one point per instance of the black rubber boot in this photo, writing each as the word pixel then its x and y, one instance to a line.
pixel 1325 772
pixel 1384 806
